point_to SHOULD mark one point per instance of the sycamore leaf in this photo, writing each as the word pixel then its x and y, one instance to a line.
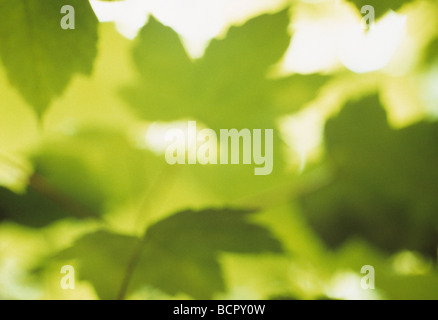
pixel 39 56
pixel 382 187
pixel 178 255
pixel 226 88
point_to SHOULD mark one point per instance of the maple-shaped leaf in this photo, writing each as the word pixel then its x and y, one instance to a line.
pixel 40 57
pixel 227 88
pixel 178 254
pixel 383 185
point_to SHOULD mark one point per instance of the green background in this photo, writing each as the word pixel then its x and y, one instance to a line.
pixel 81 186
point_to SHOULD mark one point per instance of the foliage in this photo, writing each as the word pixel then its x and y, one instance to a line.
pixel 381 7
pixel 170 257
pixel 381 188
pixel 48 57
pixel 81 186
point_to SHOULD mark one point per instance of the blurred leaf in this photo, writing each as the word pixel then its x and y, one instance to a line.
pixel 432 51
pixel 39 56
pixel 94 101
pixel 178 254
pixel 226 88
pixel 35 209
pixel 294 92
pixel 80 176
pixel 219 178
pixel 381 6
pixel 99 168
pixel 390 284
pixel 382 186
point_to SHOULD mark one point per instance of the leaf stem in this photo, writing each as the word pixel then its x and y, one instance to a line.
pixel 47 190
pixel 144 207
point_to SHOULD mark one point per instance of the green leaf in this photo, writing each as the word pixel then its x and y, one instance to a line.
pixel 390 282
pixel 178 255
pixel 39 208
pixel 100 168
pixel 431 54
pixel 80 176
pixel 219 178
pixel 40 57
pixel 381 6
pixel 294 92
pixel 381 185
pixel 227 88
